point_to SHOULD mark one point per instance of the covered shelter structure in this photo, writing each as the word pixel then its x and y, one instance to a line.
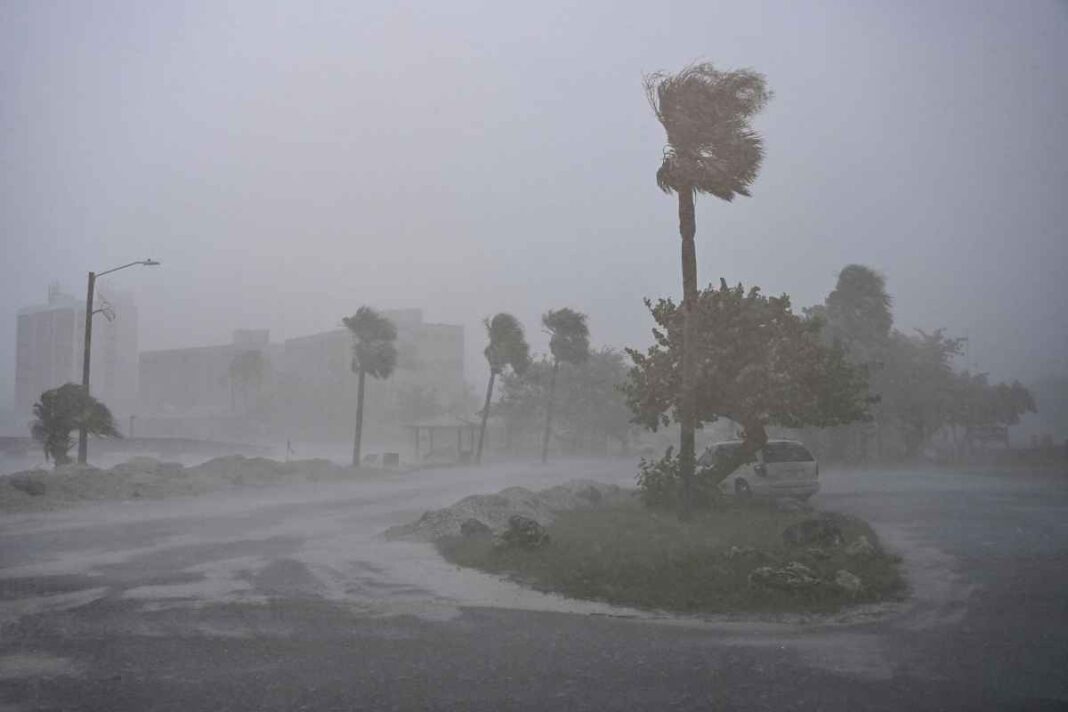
pixel 442 437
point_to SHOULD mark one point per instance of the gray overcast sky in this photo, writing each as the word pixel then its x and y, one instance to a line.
pixel 288 162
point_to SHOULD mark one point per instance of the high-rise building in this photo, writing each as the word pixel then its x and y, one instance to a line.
pixel 49 349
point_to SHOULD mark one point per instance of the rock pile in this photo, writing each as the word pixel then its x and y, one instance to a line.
pixel 145 477
pixel 496 510
pixel 794 576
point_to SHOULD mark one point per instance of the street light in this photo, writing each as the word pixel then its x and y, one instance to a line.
pixel 83 434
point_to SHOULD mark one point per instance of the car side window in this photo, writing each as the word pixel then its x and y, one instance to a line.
pixel 786 452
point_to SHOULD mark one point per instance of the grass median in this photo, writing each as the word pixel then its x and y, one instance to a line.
pixel 629 555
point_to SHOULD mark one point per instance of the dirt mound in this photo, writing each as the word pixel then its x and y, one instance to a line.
pixel 145 477
pixel 494 510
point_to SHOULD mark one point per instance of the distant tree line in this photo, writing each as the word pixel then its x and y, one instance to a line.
pixel 919 393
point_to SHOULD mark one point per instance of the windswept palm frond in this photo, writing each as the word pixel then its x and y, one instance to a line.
pixel 368 325
pixel 570 337
pixel 374 350
pixel 507 344
pixel 710 146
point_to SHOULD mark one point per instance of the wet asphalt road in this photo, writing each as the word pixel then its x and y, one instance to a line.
pixel 286 599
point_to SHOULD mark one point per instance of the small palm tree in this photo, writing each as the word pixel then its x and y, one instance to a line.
pixel 570 343
pixel 63 410
pixel 507 347
pixel 373 352
pixel 711 149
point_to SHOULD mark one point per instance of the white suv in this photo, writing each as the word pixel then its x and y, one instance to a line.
pixel 783 468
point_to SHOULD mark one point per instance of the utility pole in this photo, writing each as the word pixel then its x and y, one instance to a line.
pixel 83 433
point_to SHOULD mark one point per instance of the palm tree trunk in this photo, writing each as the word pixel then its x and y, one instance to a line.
pixel 485 415
pixel 687 397
pixel 549 414
pixel 359 421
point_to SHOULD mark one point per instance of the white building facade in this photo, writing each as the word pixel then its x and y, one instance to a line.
pixel 49 349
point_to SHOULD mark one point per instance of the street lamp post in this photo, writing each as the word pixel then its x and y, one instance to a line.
pixel 83 434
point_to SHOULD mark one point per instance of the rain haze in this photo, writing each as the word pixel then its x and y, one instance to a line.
pixel 287 163
pixel 379 416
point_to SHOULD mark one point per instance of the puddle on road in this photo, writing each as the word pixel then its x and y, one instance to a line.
pixel 334 552
pixel 14 667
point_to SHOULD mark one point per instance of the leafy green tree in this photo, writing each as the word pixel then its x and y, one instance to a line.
pixel 374 352
pixel 711 149
pixel 569 343
pixel 757 363
pixel 591 402
pixel 978 404
pixel 857 314
pixel 589 408
pixel 507 347
pixel 63 410
pixel 919 385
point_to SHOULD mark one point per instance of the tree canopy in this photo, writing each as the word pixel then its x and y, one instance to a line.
pixel 374 351
pixel 63 410
pixel 569 336
pixel 758 364
pixel 590 407
pixel 913 375
pixel 507 344
pixel 705 112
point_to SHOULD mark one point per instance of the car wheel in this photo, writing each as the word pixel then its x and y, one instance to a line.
pixel 742 489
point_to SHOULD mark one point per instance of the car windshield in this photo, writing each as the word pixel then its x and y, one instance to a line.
pixel 786 452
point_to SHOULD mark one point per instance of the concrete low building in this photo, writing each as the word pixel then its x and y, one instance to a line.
pixel 303 389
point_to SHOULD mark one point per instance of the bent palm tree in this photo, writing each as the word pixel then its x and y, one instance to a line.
pixel 507 347
pixel 570 343
pixel 64 409
pixel 710 149
pixel 374 353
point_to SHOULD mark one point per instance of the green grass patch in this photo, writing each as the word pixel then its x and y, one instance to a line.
pixel 633 556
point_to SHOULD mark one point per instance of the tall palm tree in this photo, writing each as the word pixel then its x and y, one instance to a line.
pixel 570 343
pixel 373 352
pixel 63 410
pixel 711 149
pixel 507 347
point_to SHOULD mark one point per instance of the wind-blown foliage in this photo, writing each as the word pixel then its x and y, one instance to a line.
pixel 63 410
pixel 857 315
pixel 712 149
pixel 919 385
pixel 373 352
pixel 569 336
pixel 858 311
pixel 912 375
pixel 705 112
pixel 978 403
pixel 507 347
pixel 758 364
pixel 569 342
pixel 507 344
pixel 589 408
